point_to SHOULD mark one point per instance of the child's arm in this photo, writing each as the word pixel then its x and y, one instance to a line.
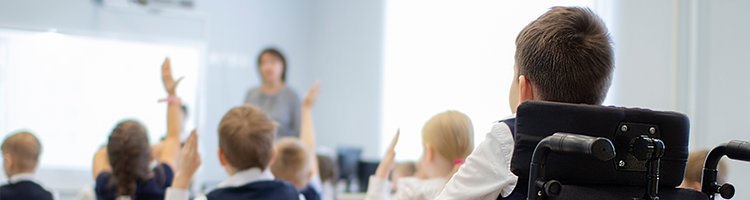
pixel 171 146
pixel 101 162
pixel 307 132
pixel 190 160
pixel 379 187
pixel 486 173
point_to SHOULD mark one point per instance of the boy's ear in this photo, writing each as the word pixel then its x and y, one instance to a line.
pixel 222 159
pixel 309 177
pixel 8 159
pixel 525 89
pixel 273 158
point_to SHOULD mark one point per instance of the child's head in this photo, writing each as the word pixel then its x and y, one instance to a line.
pixel 694 170
pixel 448 139
pixel 565 56
pixel 328 169
pixel 129 155
pixel 20 153
pixel 401 170
pixel 292 162
pixel 246 137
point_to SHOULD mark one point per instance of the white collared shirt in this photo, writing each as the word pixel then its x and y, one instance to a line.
pixel 486 172
pixel 30 177
pixel 408 188
pixel 238 179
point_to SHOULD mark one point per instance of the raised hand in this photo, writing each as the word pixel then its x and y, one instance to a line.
pixel 166 77
pixel 312 96
pixel 385 166
pixel 189 162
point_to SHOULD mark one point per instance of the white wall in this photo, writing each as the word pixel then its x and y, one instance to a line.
pixel 346 56
pixel 690 57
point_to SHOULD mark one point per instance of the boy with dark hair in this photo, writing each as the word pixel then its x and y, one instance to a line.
pixel 20 158
pixel 565 56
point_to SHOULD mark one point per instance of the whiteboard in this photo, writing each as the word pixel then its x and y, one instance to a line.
pixel 70 91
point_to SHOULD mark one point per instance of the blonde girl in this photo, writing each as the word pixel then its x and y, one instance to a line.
pixel 447 139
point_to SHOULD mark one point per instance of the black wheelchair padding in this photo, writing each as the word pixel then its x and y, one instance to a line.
pixel 538 119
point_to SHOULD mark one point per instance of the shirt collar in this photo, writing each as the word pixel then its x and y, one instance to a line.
pixel 21 177
pixel 247 176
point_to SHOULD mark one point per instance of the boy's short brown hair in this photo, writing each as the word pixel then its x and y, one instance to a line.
pixel 292 161
pixel 24 148
pixel 567 54
pixel 246 137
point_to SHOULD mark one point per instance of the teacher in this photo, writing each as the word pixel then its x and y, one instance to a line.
pixel 273 97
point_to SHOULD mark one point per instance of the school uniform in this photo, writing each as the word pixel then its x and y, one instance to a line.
pixel 151 189
pixel 486 172
pixel 247 185
pixel 24 186
pixel 411 188
pixel 314 189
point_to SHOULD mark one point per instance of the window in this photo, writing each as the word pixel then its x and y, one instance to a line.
pixel 71 91
pixel 451 55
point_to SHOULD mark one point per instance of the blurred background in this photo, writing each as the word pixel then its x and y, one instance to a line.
pixel 71 69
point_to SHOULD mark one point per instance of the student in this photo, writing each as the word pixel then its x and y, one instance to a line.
pixel 122 167
pixel 694 170
pixel 328 174
pixel 246 151
pixel 20 158
pixel 294 165
pixel 447 138
pixel 564 56
pixel 404 169
pixel 296 161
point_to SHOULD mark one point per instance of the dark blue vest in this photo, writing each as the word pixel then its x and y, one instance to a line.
pixel 520 191
pixel 310 193
pixel 276 189
pixel 152 189
pixel 24 190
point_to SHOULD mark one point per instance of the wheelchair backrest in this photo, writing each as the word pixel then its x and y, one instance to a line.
pixel 538 119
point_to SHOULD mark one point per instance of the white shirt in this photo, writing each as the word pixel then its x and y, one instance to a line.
pixel 408 188
pixel 238 179
pixel 30 177
pixel 486 172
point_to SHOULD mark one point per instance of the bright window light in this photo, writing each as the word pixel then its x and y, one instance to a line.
pixel 451 55
pixel 71 91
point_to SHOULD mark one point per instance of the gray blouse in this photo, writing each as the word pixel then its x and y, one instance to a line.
pixel 284 107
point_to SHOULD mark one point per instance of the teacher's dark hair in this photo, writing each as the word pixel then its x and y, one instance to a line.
pixel 277 53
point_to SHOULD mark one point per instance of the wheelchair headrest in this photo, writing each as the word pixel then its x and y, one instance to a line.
pixel 538 119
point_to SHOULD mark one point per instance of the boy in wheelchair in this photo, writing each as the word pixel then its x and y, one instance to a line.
pixel 563 56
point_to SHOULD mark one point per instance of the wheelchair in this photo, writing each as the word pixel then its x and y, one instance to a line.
pixel 573 151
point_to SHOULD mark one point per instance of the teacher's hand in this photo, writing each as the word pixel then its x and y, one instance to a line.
pixel 312 96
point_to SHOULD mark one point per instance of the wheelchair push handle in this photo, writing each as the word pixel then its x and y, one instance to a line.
pixel 597 147
pixel 565 143
pixel 736 150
